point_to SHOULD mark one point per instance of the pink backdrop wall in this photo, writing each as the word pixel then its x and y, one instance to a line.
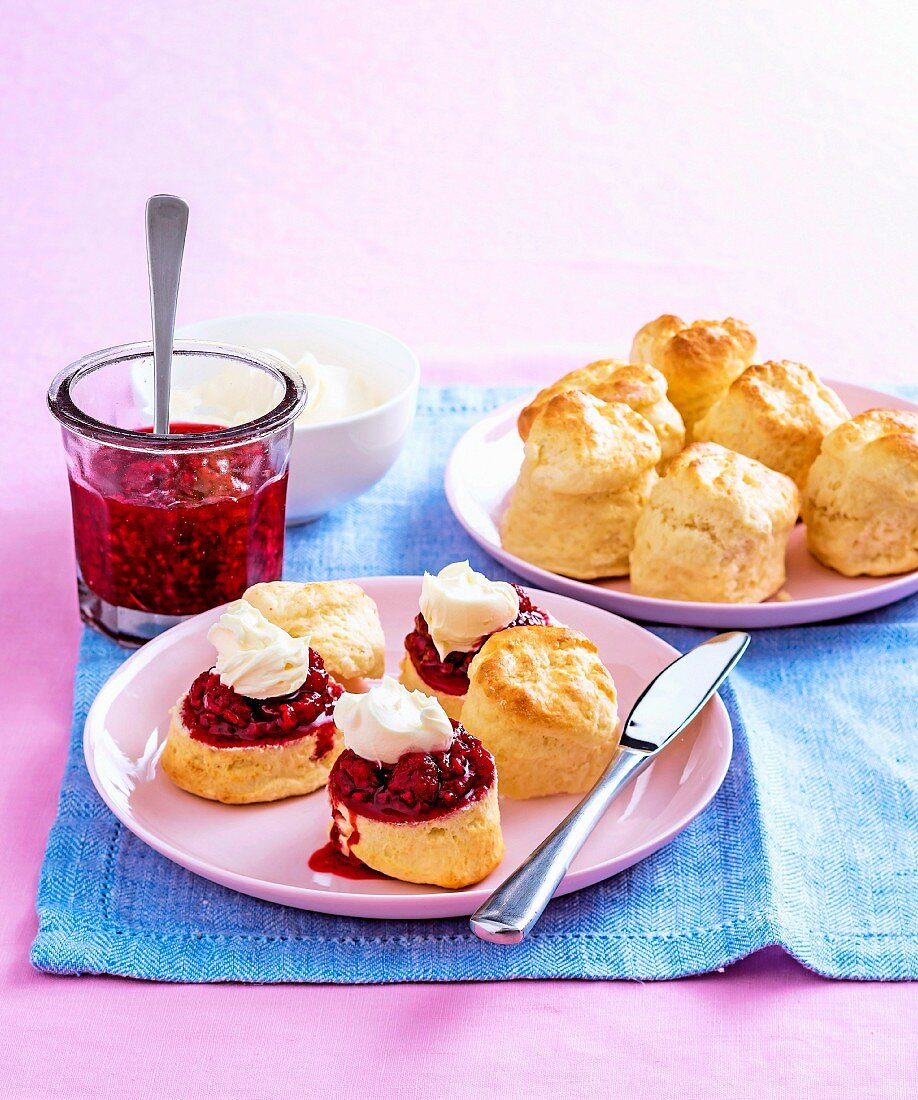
pixel 471 175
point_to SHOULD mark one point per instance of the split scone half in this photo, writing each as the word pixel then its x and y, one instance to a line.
pixel 459 609
pixel 715 529
pixel 860 506
pixel 257 726
pixel 699 361
pixel 339 618
pixel 413 795
pixel 777 413
pixel 640 386
pixel 588 469
pixel 545 705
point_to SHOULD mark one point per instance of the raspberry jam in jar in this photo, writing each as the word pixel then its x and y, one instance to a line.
pixel 167 526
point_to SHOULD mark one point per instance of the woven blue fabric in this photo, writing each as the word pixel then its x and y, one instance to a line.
pixel 811 842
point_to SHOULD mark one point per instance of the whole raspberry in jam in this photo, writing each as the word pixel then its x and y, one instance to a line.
pixel 420 786
pixel 217 715
pixel 451 674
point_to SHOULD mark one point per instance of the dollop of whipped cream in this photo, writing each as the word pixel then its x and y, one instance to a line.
pixel 334 392
pixel 462 606
pixel 388 721
pixel 232 397
pixel 256 658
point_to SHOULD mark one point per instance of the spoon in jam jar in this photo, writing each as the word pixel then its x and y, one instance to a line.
pixel 167 223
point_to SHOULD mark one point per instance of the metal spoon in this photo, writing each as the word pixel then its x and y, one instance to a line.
pixel 666 707
pixel 167 223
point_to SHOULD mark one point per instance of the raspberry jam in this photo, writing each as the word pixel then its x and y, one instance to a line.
pixel 421 786
pixel 451 675
pixel 177 533
pixel 331 860
pixel 218 716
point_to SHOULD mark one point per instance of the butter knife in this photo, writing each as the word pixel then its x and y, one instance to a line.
pixel 662 712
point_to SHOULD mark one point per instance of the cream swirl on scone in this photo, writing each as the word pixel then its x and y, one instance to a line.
pixel 256 658
pixel 462 606
pixel 389 721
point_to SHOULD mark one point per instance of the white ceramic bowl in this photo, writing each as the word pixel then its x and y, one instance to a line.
pixel 331 464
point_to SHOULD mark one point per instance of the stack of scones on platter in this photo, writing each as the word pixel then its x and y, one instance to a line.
pixel 688 468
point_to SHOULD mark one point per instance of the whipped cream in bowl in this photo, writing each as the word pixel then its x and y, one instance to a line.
pixel 389 721
pixel 256 658
pixel 461 606
pixel 362 391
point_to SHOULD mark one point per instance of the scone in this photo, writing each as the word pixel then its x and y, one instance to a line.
pixel 778 413
pixel 545 705
pixel 339 618
pixel 699 361
pixel 459 610
pixel 413 795
pixel 715 529
pixel 257 726
pixel 588 469
pixel 860 506
pixel 641 387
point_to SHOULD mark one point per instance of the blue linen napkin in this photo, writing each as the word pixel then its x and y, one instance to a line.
pixel 810 844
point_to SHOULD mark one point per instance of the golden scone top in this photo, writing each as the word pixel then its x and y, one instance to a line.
pixel 790 393
pixel 547 674
pixel 634 384
pixel 705 472
pixel 776 412
pixel 882 435
pixel 699 361
pixel 706 346
pixel 579 444
pixel 650 340
pixel 341 620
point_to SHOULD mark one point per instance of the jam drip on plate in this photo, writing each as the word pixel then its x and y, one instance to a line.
pixel 331 860
pixel 451 675
pixel 178 533
pixel 216 715
pixel 421 786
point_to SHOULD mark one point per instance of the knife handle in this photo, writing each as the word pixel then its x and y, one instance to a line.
pixel 517 904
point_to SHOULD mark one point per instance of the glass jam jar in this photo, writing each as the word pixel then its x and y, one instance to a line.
pixel 167 526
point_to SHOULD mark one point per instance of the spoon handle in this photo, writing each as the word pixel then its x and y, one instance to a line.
pixel 167 223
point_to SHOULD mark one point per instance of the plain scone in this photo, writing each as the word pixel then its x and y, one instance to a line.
pixel 544 704
pixel 588 469
pixel 239 774
pixel 861 500
pixel 699 361
pixel 339 618
pixel 777 413
pixel 715 529
pixel 641 387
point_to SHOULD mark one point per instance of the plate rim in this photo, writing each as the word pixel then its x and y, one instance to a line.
pixel 442 904
pixel 811 609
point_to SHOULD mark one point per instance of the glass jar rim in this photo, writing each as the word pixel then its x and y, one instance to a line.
pixel 75 419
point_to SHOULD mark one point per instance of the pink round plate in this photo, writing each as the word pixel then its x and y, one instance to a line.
pixel 263 850
pixel 483 469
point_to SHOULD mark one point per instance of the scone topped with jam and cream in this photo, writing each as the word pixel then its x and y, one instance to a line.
pixel 459 610
pixel 413 795
pixel 258 725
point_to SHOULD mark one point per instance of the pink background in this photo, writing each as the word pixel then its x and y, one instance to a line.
pixel 509 187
